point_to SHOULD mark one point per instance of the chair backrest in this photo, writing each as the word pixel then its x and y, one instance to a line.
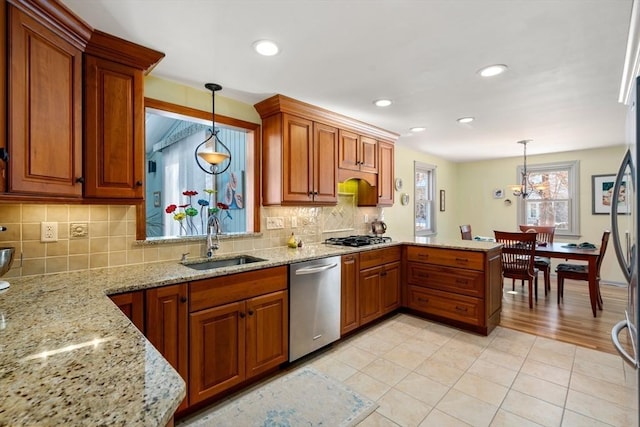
pixel 518 253
pixel 545 233
pixel 465 231
pixel 603 249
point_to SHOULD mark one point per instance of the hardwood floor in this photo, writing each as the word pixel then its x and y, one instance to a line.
pixel 571 321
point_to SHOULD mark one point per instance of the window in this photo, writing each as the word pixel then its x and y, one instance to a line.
pixel 555 203
pixel 425 205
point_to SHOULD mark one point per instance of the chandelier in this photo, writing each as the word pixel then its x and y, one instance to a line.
pixel 213 158
pixel 524 189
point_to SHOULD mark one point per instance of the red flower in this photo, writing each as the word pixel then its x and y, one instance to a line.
pixel 171 209
pixel 222 206
pixel 189 193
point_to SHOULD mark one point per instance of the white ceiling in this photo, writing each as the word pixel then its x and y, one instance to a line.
pixel 565 61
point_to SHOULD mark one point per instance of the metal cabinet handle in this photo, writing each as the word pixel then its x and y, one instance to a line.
pixel 138 183
pixel 80 179
pixel 616 343
pixel 250 312
pixel 241 315
pixel 183 299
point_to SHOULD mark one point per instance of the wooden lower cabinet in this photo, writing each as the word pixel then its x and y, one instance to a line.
pixel 132 305
pixel 238 329
pixel 234 342
pixel 349 298
pixel 378 283
pixel 167 328
pixel 457 286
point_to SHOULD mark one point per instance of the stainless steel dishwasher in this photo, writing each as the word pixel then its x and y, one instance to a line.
pixel 314 305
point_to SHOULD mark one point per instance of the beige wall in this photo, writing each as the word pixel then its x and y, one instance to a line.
pixel 468 186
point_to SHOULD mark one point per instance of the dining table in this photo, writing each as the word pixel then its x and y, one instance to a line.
pixel 590 255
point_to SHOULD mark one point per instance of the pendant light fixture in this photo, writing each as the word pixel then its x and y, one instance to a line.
pixel 213 158
pixel 523 189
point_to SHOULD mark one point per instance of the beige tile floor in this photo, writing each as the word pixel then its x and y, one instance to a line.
pixel 425 374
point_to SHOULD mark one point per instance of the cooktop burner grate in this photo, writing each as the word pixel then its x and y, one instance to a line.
pixel 357 240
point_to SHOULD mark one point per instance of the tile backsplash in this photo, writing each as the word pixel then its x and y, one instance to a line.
pixel 111 237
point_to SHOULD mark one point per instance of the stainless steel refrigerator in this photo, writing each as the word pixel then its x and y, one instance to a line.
pixel 624 207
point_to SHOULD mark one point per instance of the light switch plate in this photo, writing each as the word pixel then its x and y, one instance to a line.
pixel 275 222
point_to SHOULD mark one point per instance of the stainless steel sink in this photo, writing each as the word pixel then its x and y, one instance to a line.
pixel 223 262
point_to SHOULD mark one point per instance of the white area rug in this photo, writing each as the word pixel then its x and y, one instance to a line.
pixel 304 397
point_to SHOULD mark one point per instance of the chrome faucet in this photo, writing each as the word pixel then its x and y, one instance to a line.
pixel 213 226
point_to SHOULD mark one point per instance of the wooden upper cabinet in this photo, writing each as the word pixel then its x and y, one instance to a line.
pixel 299 161
pixel 114 116
pixel 338 148
pixel 357 152
pixel 385 174
pixel 325 172
pixel 44 102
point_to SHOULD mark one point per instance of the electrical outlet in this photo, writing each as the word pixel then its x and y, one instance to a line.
pixel 366 218
pixel 294 222
pixel 275 222
pixel 48 231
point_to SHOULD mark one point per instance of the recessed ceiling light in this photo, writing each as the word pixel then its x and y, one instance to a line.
pixel 418 129
pixel 466 119
pixel 266 47
pixel 382 102
pixel 492 70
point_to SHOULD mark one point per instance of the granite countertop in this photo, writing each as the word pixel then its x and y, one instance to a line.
pixel 69 356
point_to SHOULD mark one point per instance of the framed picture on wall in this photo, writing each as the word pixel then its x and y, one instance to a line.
pixel 602 195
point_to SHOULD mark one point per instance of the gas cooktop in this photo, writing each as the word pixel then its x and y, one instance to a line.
pixel 363 240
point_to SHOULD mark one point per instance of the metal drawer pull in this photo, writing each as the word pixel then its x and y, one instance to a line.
pixel 462 260
pixel 462 281
pixel 423 299
pixel 465 309
pixel 423 255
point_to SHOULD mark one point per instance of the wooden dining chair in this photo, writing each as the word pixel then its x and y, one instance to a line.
pixel 581 271
pixel 545 236
pixel 518 254
pixel 465 231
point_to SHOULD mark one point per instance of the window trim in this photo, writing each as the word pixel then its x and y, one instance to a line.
pixel 432 169
pixel 573 167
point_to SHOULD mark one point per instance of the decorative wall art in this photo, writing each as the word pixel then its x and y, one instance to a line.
pixel 602 195
pixel 498 193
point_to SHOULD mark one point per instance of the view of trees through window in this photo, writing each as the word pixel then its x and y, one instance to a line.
pixel 552 197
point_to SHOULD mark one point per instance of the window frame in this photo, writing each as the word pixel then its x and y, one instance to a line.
pixel 573 169
pixel 431 169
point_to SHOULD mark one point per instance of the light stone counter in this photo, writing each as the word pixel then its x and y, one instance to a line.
pixel 68 356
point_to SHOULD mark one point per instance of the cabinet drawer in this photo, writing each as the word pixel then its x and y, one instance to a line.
pixel 449 257
pixel 451 306
pixel 235 287
pixel 467 282
pixel 379 256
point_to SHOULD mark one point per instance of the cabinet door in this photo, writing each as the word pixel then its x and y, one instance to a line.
pixel 114 130
pixel 166 326
pixel 349 302
pixel 390 287
pixel 348 157
pixel 297 171
pixel 369 290
pixel 385 174
pixel 368 154
pixel 267 332
pixel 325 159
pixel 216 356
pixel 44 110
pixel 132 305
